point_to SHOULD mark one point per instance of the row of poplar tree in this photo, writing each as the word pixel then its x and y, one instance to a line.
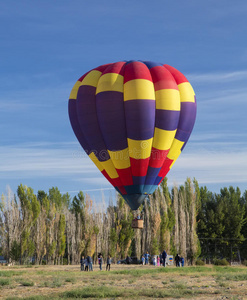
pixel 52 228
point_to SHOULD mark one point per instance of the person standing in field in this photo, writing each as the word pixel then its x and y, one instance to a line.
pixel 82 263
pixel 158 260
pixel 108 263
pixel 182 261
pixel 100 262
pixel 86 264
pixel 164 255
pixel 161 260
pixel 177 260
pixel 143 260
pixel 146 256
pixel 90 263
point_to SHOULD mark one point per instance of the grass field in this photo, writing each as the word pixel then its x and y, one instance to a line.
pixel 123 282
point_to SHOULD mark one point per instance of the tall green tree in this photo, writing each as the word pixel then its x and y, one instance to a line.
pixel 78 205
pixel 61 242
pixel 55 197
pixel 30 209
pixel 234 218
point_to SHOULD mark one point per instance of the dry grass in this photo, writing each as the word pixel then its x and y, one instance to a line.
pixel 123 282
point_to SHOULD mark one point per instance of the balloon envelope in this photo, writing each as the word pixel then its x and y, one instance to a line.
pixel 133 119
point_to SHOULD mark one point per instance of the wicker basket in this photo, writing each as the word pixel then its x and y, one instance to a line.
pixel 137 223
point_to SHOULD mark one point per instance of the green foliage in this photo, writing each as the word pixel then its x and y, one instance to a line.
pixel 58 199
pixel 11 273
pixel 167 217
pixel 163 228
pixel 95 229
pixel 15 251
pixel 221 219
pixel 221 262
pixel 172 247
pixel 125 235
pixel 55 283
pixel 61 235
pixel 41 196
pixel 155 247
pixel 71 279
pixel 66 200
pixel 4 281
pixel 244 262
pixel 52 248
pixel 200 262
pixel 93 292
pixel 165 190
pixel 113 238
pixel 27 283
pixel 44 201
pixel 30 205
pixel 31 248
pixel 221 224
pixel 121 202
pixel 78 205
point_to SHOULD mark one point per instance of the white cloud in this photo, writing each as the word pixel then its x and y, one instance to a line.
pixel 226 164
pixel 218 77
pixel 30 160
pixel 219 166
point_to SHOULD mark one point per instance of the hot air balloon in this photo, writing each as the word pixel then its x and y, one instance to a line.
pixel 133 119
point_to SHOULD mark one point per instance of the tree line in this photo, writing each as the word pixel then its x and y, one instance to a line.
pixel 53 228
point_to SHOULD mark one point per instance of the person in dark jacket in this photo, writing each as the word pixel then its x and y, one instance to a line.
pixel 177 260
pixel 164 255
pixel 100 262
pixel 108 263
pixel 161 259
pixel 82 263
pixel 128 260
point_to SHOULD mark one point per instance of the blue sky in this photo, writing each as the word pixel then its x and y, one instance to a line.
pixel 47 45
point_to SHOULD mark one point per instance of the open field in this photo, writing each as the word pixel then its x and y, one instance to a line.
pixel 123 282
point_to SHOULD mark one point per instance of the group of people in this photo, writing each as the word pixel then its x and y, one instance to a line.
pixel 160 260
pixel 179 260
pixel 157 260
pixel 87 263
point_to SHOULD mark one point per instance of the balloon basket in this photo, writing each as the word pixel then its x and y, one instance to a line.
pixel 137 224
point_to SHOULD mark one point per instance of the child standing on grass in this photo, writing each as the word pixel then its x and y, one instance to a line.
pixel 158 260
pixel 182 261
pixel 154 260
pixel 108 265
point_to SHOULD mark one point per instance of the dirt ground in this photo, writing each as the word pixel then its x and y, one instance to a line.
pixel 183 283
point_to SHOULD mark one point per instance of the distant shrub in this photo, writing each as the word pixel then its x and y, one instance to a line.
pixel 27 283
pixel 244 263
pixel 200 262
pixel 57 282
pixel 70 279
pixel 4 281
pixel 221 262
